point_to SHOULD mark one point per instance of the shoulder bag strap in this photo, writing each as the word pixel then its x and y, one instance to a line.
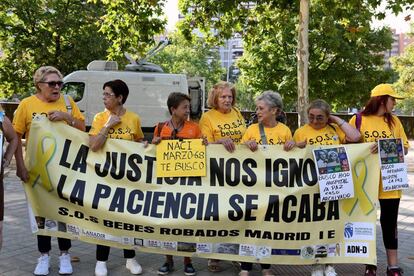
pixel 68 105
pixel 262 134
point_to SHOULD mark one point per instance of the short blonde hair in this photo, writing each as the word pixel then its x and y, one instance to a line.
pixel 214 93
pixel 41 74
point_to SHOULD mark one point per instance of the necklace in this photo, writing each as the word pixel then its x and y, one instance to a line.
pixel 175 129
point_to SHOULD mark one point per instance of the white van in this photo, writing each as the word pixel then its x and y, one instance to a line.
pixel 148 91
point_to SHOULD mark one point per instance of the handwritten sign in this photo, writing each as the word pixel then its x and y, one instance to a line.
pixel 393 167
pixel 181 158
pixel 334 174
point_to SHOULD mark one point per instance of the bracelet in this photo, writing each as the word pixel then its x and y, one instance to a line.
pixel 343 122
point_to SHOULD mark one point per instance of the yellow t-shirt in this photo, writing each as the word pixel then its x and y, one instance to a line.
pixel 329 135
pixel 373 128
pixel 276 135
pixel 128 129
pixel 31 106
pixel 216 125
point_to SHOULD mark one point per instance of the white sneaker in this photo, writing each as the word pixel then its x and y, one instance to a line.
pixel 43 264
pixel 317 270
pixel 330 270
pixel 100 269
pixel 65 267
pixel 133 266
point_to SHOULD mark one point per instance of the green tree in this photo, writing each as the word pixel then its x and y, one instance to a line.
pixel 69 34
pixel 48 32
pixel 344 49
pixel 404 66
pixel 193 58
pixel 130 26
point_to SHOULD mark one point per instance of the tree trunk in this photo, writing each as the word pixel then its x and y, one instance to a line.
pixel 303 61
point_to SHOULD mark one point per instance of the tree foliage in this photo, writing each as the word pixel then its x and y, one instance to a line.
pixel 36 33
pixel 345 60
pixel 404 66
pixel 68 34
pixel 131 25
pixel 193 58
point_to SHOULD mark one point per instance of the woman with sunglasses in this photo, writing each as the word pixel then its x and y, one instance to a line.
pixel 48 102
pixel 115 122
pixel 324 129
pixel 377 117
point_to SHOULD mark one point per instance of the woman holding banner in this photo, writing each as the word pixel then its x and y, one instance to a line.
pixel 324 129
pixel 7 132
pixel 375 118
pixel 222 124
pixel 128 127
pixel 268 131
pixel 178 127
pixel 49 102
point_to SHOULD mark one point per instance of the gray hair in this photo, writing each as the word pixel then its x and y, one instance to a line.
pixel 322 105
pixel 271 98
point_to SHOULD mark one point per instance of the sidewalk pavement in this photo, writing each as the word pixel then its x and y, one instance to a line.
pixel 19 254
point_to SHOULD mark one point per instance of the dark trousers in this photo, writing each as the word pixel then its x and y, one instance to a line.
pixel 44 244
pixel 169 258
pixel 249 266
pixel 102 253
pixel 388 219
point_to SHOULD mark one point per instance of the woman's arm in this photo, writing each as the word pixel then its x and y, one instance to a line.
pixel 21 172
pixel 352 134
pixel 96 142
pixel 56 115
pixel 12 139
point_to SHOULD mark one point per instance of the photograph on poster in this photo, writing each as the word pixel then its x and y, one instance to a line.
pixel 331 160
pixel 391 151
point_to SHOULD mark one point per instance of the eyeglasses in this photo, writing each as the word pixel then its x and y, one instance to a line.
pixel 106 94
pixel 52 84
pixel 318 118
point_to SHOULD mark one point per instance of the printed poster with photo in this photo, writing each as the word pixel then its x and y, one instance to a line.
pixel 334 174
pixel 392 163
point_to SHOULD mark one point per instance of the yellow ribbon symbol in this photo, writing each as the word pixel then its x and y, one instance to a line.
pixel 359 172
pixel 43 157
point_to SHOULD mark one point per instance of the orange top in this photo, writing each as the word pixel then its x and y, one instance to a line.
pixel 190 130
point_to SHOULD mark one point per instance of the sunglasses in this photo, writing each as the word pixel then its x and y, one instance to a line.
pixel 53 84
pixel 318 118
